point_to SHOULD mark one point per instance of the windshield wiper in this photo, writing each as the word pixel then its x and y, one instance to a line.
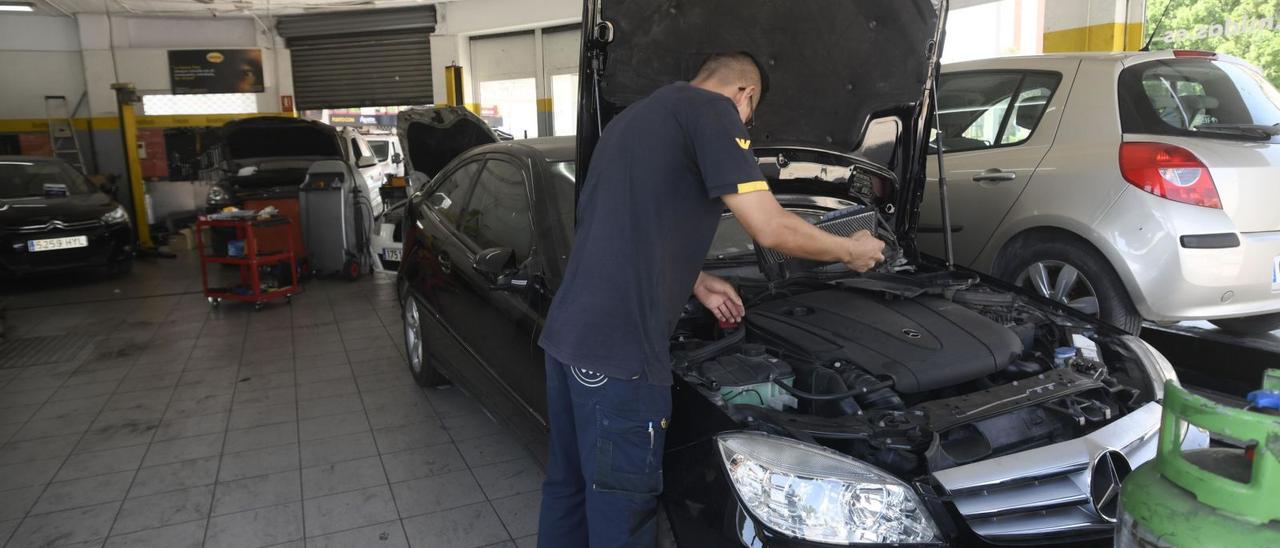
pixel 1258 131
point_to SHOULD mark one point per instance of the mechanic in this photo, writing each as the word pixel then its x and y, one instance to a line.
pixel 662 174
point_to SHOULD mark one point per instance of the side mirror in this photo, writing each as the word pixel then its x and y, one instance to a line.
pixel 367 162
pixel 493 263
pixel 108 184
pixel 396 158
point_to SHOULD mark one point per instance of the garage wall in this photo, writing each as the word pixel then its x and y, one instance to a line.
pixel 40 56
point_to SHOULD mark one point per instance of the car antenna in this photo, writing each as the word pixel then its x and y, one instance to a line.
pixel 1156 29
pixel 942 170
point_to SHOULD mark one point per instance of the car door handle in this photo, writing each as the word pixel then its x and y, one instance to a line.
pixel 994 175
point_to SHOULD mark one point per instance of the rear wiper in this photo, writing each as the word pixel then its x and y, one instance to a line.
pixel 1250 130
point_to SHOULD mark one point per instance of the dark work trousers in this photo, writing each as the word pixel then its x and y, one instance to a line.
pixel 604 462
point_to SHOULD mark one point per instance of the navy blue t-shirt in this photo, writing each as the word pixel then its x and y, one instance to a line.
pixel 646 216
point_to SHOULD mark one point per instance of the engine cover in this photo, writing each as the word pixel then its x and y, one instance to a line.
pixel 923 343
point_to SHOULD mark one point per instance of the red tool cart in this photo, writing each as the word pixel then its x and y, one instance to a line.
pixel 250 260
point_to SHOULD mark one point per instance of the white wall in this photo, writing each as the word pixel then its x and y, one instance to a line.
pixel 40 56
pixel 44 55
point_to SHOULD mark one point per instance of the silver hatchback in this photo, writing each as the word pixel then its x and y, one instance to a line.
pixel 1129 185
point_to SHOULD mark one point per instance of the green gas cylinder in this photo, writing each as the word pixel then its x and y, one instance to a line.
pixel 1211 497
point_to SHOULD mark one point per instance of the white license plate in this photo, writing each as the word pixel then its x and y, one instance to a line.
pixel 53 244
pixel 1275 275
pixel 391 253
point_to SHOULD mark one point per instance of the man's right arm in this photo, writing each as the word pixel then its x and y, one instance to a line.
pixel 776 228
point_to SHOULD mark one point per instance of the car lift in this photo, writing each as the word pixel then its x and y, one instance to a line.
pixel 126 97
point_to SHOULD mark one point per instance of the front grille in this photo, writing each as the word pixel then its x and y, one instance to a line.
pixel 1043 493
pixel 52 225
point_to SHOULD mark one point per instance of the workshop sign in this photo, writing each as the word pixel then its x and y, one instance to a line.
pixel 215 71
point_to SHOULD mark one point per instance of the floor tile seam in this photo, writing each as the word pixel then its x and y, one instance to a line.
pixel 175 524
pixel 151 440
pixel 297 424
pixel 244 335
pixel 364 408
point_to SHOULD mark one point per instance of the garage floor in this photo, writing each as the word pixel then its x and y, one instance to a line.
pixel 133 414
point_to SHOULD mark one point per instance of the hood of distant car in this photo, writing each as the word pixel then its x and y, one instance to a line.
pixel 20 212
pixel 276 137
pixel 431 137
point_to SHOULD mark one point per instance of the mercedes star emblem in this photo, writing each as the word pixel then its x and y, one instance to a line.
pixel 1105 475
pixel 911 333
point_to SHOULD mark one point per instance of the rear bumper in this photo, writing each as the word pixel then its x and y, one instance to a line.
pixel 1159 249
pixel 107 244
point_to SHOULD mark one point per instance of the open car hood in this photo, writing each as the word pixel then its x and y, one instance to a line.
pixel 275 137
pixel 431 137
pixel 833 66
pixel 848 79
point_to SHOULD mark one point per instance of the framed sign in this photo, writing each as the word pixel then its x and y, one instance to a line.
pixel 215 71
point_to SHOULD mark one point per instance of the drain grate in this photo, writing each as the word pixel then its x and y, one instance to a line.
pixel 30 351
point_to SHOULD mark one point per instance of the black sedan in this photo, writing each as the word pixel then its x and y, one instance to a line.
pixel 53 218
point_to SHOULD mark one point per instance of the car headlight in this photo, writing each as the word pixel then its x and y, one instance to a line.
pixel 1157 366
pixel 116 216
pixel 218 194
pixel 817 494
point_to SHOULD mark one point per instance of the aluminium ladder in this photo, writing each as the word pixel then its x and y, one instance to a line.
pixel 62 132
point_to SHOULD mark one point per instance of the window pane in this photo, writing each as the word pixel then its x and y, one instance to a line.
pixel 497 214
pixel 511 106
pixel 564 104
pixel 1033 98
pixel 211 103
pixel 447 199
pixel 971 107
pixel 381 149
pixel 1179 96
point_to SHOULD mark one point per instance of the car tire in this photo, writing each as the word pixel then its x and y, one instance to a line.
pixel 1252 325
pixel 416 354
pixel 1043 263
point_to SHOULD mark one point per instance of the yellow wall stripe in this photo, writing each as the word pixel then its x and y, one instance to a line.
pixel 1102 37
pixel 753 186
pixel 40 125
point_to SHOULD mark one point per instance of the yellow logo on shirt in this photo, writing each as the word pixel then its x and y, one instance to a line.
pixel 744 143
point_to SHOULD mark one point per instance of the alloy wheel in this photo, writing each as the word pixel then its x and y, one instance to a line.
pixel 1061 282
pixel 412 338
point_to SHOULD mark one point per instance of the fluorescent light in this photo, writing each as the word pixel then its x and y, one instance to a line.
pixel 16 6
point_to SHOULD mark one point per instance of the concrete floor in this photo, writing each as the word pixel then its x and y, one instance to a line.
pixel 134 414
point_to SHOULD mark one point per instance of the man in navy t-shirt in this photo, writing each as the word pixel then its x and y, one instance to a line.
pixel 660 177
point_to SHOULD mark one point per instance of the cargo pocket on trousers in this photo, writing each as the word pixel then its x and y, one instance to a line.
pixel 628 452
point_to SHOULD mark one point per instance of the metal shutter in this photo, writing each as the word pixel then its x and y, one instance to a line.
pixel 365 58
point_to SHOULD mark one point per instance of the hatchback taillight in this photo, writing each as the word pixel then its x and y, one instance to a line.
pixel 1169 171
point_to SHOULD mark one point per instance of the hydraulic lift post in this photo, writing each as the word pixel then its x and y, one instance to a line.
pixel 126 97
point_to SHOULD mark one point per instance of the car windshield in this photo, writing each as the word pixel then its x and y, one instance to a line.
pixel 41 179
pixel 732 242
pixel 381 149
pixel 562 175
pixel 1198 97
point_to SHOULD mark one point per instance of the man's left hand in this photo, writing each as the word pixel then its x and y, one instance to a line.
pixel 719 297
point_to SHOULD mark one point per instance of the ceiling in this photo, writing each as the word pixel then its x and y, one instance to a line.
pixel 215 8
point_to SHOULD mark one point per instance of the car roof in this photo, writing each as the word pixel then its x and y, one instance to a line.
pixel 1122 57
pixel 551 149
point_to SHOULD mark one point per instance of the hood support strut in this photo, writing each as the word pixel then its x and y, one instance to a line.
pixel 942 173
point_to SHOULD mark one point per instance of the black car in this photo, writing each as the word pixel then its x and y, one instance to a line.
pixel 267 157
pixel 52 217
pixel 915 404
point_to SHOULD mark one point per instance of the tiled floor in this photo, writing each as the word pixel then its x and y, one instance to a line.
pixel 133 414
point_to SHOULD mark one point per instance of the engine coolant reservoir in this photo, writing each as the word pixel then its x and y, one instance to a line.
pixel 747 378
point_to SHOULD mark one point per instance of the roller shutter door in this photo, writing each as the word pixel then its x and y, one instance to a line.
pixel 367 58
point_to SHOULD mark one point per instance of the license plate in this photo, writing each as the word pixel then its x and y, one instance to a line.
pixel 391 253
pixel 1275 275
pixel 54 244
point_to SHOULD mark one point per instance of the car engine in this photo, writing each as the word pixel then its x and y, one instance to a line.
pixel 912 372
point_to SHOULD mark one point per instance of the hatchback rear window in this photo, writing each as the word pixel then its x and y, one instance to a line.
pixel 1197 97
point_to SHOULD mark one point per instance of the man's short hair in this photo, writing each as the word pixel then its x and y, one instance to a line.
pixel 738 67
